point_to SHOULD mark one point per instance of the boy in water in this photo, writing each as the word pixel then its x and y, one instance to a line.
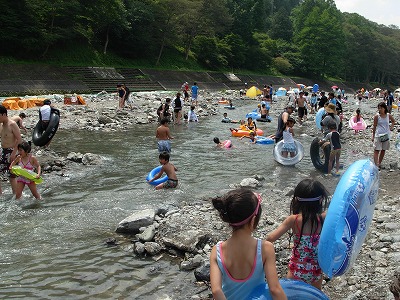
pixel 163 135
pixel 169 169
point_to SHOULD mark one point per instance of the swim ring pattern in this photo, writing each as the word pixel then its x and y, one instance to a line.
pixel 348 218
pixel 153 173
pixel 288 161
pixel 360 125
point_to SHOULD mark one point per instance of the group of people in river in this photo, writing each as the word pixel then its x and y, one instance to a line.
pixel 16 152
pixel 163 133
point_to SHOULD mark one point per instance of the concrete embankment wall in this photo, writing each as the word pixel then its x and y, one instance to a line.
pixel 34 79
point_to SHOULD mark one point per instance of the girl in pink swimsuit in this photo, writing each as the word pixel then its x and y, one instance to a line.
pixel 27 161
pixel 305 222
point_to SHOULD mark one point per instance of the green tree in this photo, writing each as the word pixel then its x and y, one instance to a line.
pixel 319 36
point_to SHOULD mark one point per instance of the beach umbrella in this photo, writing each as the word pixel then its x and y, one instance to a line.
pixel 290 92
pixel 334 87
pixel 253 92
pixel 281 89
pixel 309 87
pixel 300 85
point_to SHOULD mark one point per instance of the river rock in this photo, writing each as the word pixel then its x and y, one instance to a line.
pixel 91 159
pixel 152 248
pixel 250 182
pixel 192 263
pixel 202 273
pixel 138 219
pixel 148 234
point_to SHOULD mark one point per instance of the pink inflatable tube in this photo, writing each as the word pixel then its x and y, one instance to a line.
pixel 360 125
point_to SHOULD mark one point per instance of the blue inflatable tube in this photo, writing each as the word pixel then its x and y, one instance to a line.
pixel 254 115
pixel 264 140
pixel 229 107
pixel 153 173
pixel 267 105
pixel 348 218
pixel 318 117
pixel 294 290
pixel 288 161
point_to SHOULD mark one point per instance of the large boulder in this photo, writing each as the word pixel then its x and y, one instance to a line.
pixel 134 222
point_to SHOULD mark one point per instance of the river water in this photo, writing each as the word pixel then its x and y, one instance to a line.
pixel 57 251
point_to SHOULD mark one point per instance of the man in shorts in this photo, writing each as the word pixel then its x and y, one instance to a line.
pixel 10 138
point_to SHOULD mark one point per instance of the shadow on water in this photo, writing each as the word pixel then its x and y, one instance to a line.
pixel 57 249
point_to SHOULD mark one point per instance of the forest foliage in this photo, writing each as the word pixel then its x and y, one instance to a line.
pixel 289 37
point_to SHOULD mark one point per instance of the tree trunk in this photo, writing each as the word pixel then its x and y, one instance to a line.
pixel 107 40
pixel 161 51
pixel 51 32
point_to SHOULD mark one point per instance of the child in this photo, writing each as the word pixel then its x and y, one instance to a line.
pixel 250 125
pixel 228 120
pixel 178 109
pixel 251 136
pixel 169 169
pixel 192 115
pixel 27 161
pixel 313 102
pixel 264 111
pixel 358 115
pixel 305 221
pixel 242 262
pixel 334 139
pixel 224 144
pixel 288 142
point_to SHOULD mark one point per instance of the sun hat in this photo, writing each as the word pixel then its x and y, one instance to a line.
pixel 330 108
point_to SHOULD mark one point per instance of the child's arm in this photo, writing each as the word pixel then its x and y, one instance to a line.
pixel 158 175
pixel 36 164
pixel 15 161
pixel 291 131
pixel 275 288
pixel 215 276
pixel 282 229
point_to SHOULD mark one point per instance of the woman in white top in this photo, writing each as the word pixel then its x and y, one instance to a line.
pixel 381 132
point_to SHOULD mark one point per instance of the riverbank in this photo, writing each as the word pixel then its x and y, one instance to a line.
pixel 380 254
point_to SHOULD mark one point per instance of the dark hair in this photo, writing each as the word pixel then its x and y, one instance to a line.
pixel 236 206
pixel 331 94
pixel 358 111
pixel 3 110
pixel 26 146
pixel 164 155
pixel 168 100
pixel 46 102
pixel 216 140
pixel 178 94
pixel 310 210
pixel 22 115
pixel 383 104
pixel 164 121
pixel 192 107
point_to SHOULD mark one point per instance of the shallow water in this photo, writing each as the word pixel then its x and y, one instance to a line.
pixel 57 250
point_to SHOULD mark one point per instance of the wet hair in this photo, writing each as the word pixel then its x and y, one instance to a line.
pixel 3 110
pixel 164 155
pixel 22 115
pixel 26 146
pixel 178 94
pixel 168 100
pixel 291 119
pixel 46 102
pixel 310 210
pixel 216 140
pixel 237 206
pixel 164 121
pixel 192 107
pixel 358 111
pixel 225 114
pixel 381 104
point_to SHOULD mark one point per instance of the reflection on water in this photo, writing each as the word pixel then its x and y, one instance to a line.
pixel 58 251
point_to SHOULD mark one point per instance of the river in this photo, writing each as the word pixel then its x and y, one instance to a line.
pixel 57 251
